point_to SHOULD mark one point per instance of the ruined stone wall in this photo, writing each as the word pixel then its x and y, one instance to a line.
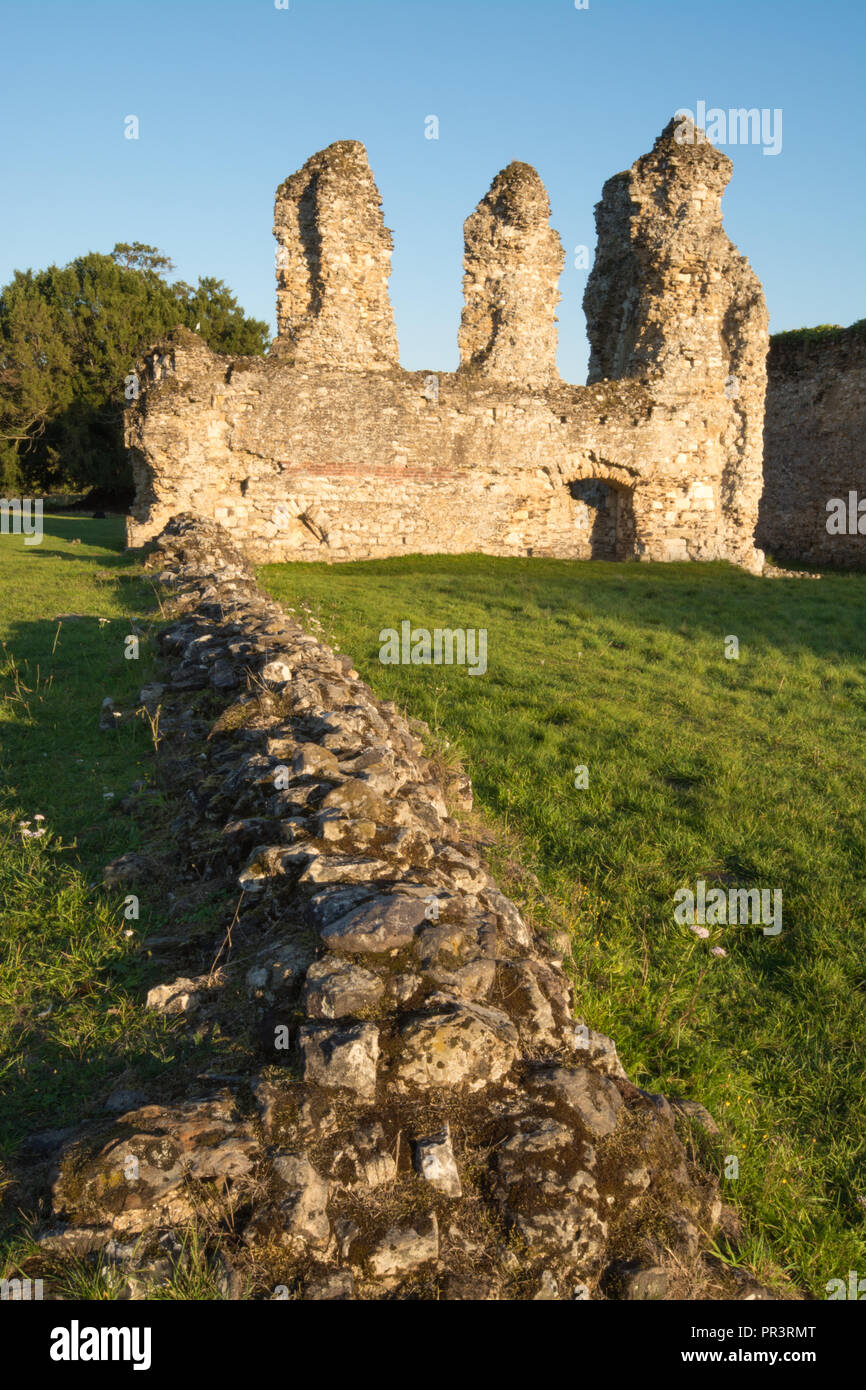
pixel 411 1109
pixel 814 449
pixel 670 299
pixel 333 263
pixel 513 262
pixel 328 450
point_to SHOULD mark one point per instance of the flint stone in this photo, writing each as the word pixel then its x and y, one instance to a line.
pixel 311 760
pixel 386 924
pixel 529 1005
pixel 125 869
pixel 356 799
pixel 366 1161
pixel 335 1286
pixel 279 966
pixel 336 988
pixel 123 1099
pixel 277 672
pixel 181 996
pixel 342 868
pixel 508 918
pixel 434 1160
pixel 304 1209
pixel 548 1289
pixel 639 1285
pixel 600 1050
pixel 659 1103
pixel 468 1046
pixel 223 675
pixel 548 1198
pixel 341 1059
pixel 473 981
pixel 593 1098
pixel 151 694
pixel 406 1248
pixel 265 862
pixel 75 1240
pixel 352 836
pixel 140 1179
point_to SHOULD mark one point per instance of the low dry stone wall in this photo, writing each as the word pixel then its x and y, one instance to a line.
pixel 412 1109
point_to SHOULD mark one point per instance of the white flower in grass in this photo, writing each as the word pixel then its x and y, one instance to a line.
pixel 702 932
pixel 718 951
pixel 28 834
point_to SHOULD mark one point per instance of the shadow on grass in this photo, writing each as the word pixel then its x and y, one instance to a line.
pixel 107 532
pixel 825 616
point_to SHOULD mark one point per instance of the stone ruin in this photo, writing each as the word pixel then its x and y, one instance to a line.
pixel 328 449
pixel 407 1102
pixel 814 455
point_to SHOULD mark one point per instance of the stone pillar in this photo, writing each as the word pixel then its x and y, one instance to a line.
pixel 670 299
pixel 333 263
pixel 513 260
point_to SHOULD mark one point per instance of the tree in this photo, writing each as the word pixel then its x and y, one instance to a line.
pixel 68 338
pixel 213 311
pixel 138 256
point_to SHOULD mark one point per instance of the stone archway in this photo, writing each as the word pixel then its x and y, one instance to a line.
pixel 610 517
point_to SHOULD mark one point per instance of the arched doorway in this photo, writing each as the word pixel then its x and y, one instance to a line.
pixel 610 508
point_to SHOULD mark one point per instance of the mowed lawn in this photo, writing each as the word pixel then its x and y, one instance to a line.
pixel 745 773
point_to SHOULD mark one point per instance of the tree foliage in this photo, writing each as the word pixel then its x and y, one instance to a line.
pixel 69 336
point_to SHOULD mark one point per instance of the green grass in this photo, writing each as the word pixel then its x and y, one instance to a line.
pixel 743 772
pixel 822 333
pixel 70 1019
pixel 747 772
pixel 73 970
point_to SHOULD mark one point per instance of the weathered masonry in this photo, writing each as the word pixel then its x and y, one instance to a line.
pixel 327 449
pixel 814 503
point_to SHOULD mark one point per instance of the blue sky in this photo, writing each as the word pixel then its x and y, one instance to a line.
pixel 233 95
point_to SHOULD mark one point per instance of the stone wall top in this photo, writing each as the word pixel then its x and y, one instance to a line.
pixel 333 263
pixel 513 261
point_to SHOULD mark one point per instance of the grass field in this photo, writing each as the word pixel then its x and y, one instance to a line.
pixel 742 772
pixel 746 772
pixel 69 1019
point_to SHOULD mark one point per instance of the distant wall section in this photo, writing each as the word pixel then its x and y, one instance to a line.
pixel 815 450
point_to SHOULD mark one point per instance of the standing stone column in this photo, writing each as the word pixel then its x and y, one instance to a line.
pixel 333 263
pixel 671 299
pixel 513 260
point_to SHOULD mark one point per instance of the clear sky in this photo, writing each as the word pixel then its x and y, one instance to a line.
pixel 233 95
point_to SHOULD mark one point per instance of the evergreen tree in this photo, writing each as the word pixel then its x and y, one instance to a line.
pixel 68 338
